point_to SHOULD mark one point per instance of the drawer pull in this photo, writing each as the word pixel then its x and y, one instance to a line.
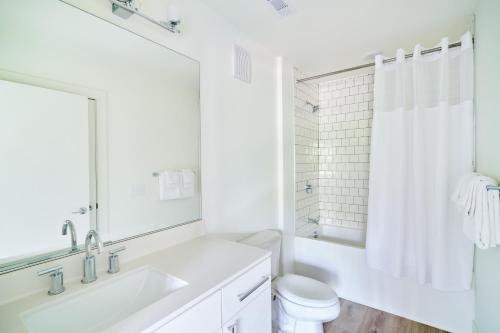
pixel 245 295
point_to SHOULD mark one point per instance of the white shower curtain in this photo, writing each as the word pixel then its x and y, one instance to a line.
pixel 422 143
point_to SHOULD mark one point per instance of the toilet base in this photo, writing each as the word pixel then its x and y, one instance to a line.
pixel 309 326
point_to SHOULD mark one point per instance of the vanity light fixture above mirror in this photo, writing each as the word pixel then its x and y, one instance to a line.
pixel 125 8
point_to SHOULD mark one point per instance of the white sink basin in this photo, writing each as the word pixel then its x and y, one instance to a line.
pixel 103 304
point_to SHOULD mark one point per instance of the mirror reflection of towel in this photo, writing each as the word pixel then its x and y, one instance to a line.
pixel 188 183
pixel 169 181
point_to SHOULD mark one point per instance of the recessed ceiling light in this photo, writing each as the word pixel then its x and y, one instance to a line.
pixel 280 6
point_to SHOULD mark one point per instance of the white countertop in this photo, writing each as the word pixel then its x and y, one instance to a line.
pixel 206 263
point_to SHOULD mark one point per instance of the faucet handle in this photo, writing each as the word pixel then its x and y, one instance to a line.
pixel 56 279
pixel 81 211
pixel 113 260
pixel 118 249
pixel 53 270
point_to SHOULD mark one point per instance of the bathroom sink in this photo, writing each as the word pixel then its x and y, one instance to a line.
pixel 103 304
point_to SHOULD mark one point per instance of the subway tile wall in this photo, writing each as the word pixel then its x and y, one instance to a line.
pixel 345 120
pixel 306 154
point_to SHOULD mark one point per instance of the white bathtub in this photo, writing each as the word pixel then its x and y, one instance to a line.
pixel 337 257
pixel 341 235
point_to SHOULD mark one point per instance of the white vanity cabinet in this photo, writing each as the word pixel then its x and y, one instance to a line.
pixel 246 302
pixel 253 318
pixel 241 306
pixel 203 317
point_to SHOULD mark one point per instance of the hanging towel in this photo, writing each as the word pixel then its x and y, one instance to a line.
pixel 481 209
pixel 464 195
pixel 188 183
pixel 494 210
pixel 169 181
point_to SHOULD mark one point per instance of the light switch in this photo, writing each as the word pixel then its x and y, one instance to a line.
pixel 137 190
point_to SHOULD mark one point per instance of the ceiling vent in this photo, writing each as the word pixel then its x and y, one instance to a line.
pixel 280 6
pixel 242 64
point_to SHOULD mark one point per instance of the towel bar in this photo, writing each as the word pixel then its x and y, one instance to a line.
pixel 492 188
pixel 157 174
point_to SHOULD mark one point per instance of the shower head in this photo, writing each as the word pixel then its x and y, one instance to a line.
pixel 315 108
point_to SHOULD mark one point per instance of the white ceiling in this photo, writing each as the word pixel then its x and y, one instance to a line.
pixel 325 35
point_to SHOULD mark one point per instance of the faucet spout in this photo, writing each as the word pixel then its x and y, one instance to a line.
pixel 69 224
pixel 88 242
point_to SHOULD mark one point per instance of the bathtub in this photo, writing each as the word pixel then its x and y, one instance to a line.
pixel 340 235
pixel 336 256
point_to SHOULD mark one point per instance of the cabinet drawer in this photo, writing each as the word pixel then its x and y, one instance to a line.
pixel 241 291
pixel 203 317
pixel 253 318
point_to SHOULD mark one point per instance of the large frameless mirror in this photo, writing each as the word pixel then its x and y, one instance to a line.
pixel 98 126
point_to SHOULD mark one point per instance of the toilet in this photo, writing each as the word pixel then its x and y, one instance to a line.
pixel 300 304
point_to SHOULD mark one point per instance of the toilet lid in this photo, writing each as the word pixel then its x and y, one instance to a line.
pixel 306 291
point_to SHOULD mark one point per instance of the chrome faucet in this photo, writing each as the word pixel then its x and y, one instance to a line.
pixel 68 224
pixel 89 273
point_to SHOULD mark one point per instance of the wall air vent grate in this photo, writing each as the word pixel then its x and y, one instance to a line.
pixel 242 64
pixel 280 6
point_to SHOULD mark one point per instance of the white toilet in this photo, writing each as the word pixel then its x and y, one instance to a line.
pixel 301 304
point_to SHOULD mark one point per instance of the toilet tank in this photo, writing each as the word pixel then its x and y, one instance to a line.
pixel 268 240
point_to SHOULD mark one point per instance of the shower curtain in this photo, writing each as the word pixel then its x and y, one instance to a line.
pixel 422 143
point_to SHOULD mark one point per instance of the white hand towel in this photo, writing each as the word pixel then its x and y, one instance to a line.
pixel 169 182
pixel 465 193
pixel 459 195
pixel 482 218
pixel 188 183
pixel 494 210
pixel 481 209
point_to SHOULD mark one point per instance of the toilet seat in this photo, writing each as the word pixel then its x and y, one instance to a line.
pixel 305 291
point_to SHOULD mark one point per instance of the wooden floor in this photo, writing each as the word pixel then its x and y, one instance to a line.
pixel 356 318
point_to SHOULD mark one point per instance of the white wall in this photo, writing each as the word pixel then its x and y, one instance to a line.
pixel 344 268
pixel 487 265
pixel 287 166
pixel 306 153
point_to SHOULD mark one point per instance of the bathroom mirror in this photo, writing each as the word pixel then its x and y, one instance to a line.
pixel 92 119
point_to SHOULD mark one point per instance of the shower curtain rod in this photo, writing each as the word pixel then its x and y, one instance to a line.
pixel 409 55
